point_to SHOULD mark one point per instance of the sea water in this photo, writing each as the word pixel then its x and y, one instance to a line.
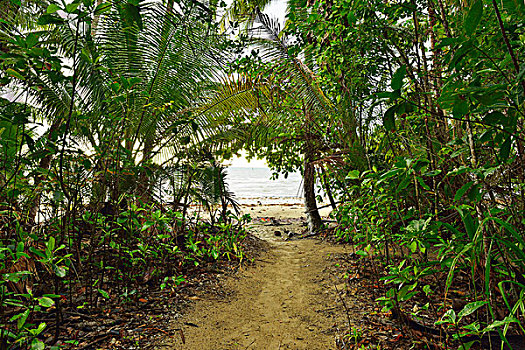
pixel 253 185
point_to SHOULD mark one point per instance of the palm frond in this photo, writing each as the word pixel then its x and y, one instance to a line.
pixel 275 48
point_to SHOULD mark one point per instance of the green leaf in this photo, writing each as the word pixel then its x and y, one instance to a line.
pixel 461 107
pixel 496 118
pixel 52 8
pixel 22 319
pixel 422 183
pixel 46 302
pixel 133 13
pixel 470 308
pixel 49 19
pixel 474 194
pixel 60 271
pixel 50 245
pixel 15 276
pixel 473 17
pixel 404 183
pixel 413 246
pixel 103 293
pixel 31 40
pixel 504 151
pixel 497 324
pixel 389 119
pixel 147 225
pixel 471 226
pixel 15 74
pixel 397 78
pixel 37 345
pixel 352 175
pixel 70 8
pixel 39 329
pixel 102 8
pixel 448 317
pixel 462 191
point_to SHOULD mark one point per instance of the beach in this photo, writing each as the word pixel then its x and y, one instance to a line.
pixel 280 211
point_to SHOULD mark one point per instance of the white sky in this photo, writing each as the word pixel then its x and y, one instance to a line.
pixel 277 8
pixel 242 162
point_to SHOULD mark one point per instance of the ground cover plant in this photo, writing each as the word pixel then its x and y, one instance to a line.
pixel 103 151
pixel 434 91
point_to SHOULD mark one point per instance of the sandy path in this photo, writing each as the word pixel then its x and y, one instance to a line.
pixel 280 303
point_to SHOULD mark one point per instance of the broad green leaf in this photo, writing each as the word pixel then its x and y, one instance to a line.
pixel 474 194
pixel 461 107
pixel 471 225
pixel 147 225
pixel 22 319
pixel 470 308
pixel 496 118
pixel 397 78
pixel 504 151
pixel 422 183
pixel 51 244
pixel 60 271
pixel 133 13
pixel 49 19
pixel 462 191
pixel 473 17
pixel 46 302
pixel 31 40
pixel 37 252
pixel 449 316
pixel 361 253
pixel 52 8
pixel 70 8
pixel 389 118
pixel 353 175
pixel 404 183
pixel 39 329
pixel 15 276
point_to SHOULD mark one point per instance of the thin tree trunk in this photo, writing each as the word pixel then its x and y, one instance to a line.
pixel 328 190
pixel 315 222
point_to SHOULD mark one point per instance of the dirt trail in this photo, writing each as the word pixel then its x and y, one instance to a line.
pixel 280 303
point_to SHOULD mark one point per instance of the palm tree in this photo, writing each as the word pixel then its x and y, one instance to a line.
pixel 261 96
pixel 137 81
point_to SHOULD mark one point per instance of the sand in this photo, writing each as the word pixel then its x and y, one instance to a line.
pixel 281 302
pixel 280 211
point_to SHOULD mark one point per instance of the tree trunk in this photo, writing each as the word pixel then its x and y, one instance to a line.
pixel 315 223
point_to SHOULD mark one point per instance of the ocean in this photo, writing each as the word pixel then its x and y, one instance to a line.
pixel 252 185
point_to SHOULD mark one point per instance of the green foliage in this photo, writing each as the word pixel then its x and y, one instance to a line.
pixel 106 154
pixel 438 94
